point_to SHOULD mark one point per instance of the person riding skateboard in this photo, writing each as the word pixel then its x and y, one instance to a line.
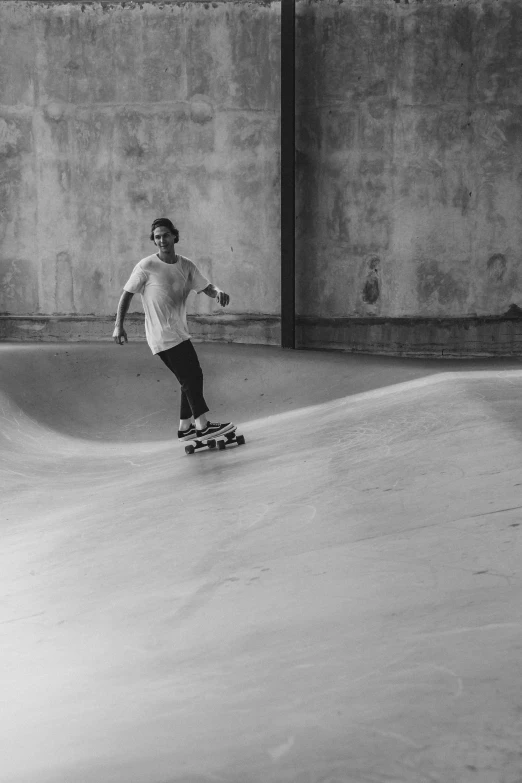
pixel 164 281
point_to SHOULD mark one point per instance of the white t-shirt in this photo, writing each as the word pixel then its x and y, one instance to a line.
pixel 164 289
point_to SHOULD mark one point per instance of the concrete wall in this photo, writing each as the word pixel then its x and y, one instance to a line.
pixel 114 114
pixel 410 158
pixel 409 165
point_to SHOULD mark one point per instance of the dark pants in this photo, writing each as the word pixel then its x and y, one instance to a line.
pixel 183 361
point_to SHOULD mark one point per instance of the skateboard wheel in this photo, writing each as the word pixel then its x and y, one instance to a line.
pixel 189 449
pixel 221 445
pixel 240 440
pixel 211 443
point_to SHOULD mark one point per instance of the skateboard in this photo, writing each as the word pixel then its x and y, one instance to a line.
pixel 220 441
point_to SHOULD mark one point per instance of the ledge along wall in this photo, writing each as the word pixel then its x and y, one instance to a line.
pixel 112 114
pixel 409 168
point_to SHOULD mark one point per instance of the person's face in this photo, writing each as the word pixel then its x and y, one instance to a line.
pixel 164 239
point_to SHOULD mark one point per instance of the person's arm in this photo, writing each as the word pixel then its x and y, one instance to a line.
pixel 222 298
pixel 120 335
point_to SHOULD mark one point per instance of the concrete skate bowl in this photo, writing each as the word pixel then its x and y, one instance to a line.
pixel 123 393
pixel 337 600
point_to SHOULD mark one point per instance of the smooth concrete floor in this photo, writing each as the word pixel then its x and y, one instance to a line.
pixel 337 601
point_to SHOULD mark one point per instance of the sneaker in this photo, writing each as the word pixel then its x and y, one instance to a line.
pixel 189 434
pixel 212 429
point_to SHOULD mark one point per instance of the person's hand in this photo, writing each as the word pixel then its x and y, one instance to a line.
pixel 222 298
pixel 119 335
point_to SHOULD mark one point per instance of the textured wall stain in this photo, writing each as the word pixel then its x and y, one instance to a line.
pixel 497 266
pixel 502 281
pixel 18 286
pixel 64 301
pixel 338 220
pixel 372 286
pixel 97 283
pixel 498 283
pixel 9 136
pixel 55 111
pixel 438 286
pixel 514 311
pixel 64 175
pixel 201 110
pixel 134 149
pixel 462 28
pixel 462 198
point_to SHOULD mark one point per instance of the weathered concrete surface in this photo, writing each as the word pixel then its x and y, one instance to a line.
pixel 421 337
pixel 337 601
pixel 111 115
pixel 409 164
pixel 449 337
pixel 253 329
pixel 410 158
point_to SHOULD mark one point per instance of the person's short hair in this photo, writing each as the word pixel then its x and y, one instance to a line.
pixel 168 224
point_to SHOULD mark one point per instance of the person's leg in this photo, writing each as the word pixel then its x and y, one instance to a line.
pixel 186 420
pixel 191 380
pixel 201 422
pixel 182 360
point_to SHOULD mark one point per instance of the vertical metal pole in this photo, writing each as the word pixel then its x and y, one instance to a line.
pixel 288 173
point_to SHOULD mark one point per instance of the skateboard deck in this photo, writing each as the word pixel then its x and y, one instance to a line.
pixel 220 441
